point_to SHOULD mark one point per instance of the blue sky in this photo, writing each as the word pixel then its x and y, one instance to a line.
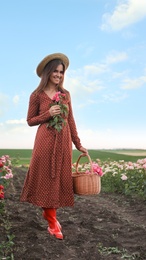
pixel 106 45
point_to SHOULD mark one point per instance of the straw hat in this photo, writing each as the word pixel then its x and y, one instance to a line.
pixel 50 57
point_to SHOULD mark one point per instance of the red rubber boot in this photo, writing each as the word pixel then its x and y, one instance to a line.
pixel 54 227
pixel 45 217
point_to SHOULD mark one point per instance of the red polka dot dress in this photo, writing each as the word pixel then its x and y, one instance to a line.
pixel 48 182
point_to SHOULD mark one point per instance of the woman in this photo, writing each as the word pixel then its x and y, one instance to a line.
pixel 48 183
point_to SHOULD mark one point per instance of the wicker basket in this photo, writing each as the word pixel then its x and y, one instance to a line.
pixel 86 184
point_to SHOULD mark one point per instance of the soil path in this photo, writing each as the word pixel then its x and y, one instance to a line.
pixel 103 226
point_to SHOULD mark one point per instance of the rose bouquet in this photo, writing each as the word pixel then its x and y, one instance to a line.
pixel 58 121
pixel 96 169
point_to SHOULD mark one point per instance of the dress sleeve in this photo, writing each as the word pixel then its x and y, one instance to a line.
pixel 72 125
pixel 33 116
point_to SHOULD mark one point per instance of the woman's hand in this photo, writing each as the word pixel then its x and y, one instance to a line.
pixel 54 110
pixel 83 150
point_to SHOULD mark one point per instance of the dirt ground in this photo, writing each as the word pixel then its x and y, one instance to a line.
pixel 104 226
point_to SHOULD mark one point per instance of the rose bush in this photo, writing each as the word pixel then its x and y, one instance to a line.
pixel 125 177
pixel 5 173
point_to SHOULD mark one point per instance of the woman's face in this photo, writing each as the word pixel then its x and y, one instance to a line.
pixel 57 75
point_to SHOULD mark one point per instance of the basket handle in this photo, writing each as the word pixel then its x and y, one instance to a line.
pixel 83 155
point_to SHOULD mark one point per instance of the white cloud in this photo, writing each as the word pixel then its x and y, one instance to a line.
pixel 114 97
pixel 73 84
pixel 83 85
pixel 16 99
pixel 22 136
pixel 95 69
pixel 88 103
pixel 116 75
pixel 109 139
pixel 21 121
pixel 127 12
pixel 85 78
pixel 133 83
pixel 116 57
pixel 4 101
pixel 94 85
pixel 103 67
pixel 17 135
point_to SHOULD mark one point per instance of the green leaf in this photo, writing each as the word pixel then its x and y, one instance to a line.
pixel 58 127
pixel 56 119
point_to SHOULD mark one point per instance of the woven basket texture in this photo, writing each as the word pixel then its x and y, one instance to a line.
pixel 86 184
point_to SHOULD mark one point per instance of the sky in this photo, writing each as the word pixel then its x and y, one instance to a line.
pixel 105 42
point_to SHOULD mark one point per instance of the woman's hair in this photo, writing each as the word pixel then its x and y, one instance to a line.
pixel 47 71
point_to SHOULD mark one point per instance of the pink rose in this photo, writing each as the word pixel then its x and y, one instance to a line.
pixel 124 177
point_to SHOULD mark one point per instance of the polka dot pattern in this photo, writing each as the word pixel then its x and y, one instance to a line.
pixel 48 182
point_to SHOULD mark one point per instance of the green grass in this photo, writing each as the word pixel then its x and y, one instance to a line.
pixel 15 153
pixel 111 155
pixel 23 156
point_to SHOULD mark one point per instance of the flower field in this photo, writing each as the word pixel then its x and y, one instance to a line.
pixel 5 173
pixel 128 178
pixel 125 177
pixel 96 228
pixel 6 176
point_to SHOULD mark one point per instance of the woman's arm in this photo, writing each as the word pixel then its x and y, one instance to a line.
pixel 73 130
pixel 33 116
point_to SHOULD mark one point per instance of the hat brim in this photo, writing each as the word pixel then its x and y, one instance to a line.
pixel 50 57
